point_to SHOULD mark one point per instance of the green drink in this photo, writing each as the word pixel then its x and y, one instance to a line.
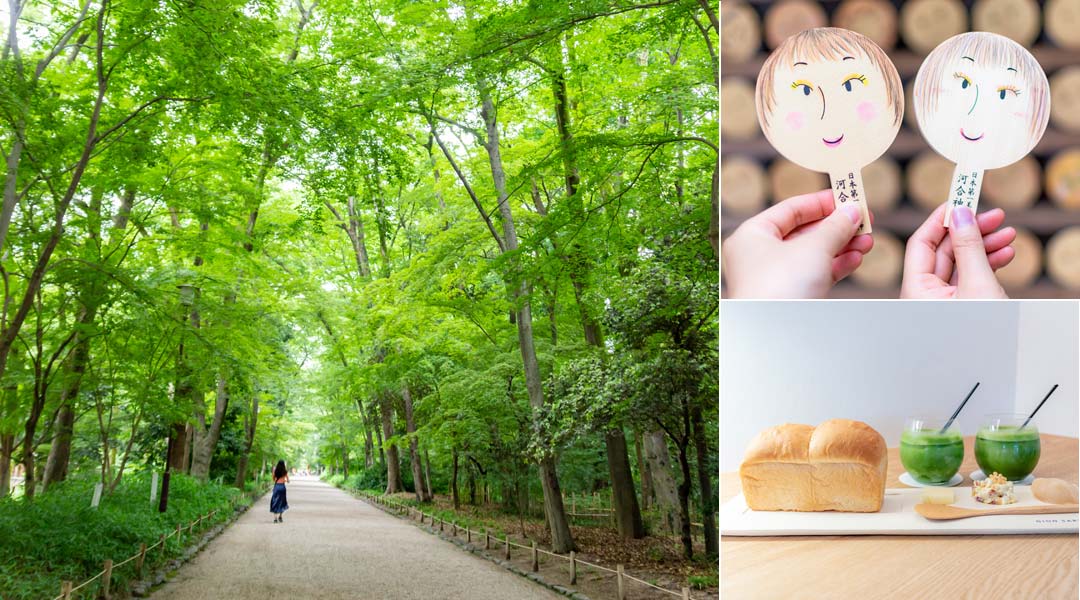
pixel 929 456
pixel 1002 446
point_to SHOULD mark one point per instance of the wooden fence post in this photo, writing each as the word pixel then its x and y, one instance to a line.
pixel 685 593
pixel 573 568
pixel 421 517
pixel 468 534
pixel 65 590
pixel 622 590
pixel 536 558
pixel 179 542
pixel 487 539
pixel 453 528
pixel 142 558
pixel 106 580
pixel 162 542
pixel 508 546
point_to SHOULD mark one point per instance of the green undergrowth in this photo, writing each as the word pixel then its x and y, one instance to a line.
pixel 58 536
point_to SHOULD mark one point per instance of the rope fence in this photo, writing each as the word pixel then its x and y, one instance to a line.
pixel 621 578
pixel 67 588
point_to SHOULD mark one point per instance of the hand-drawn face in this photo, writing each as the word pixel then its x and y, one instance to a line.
pixel 830 100
pixel 981 100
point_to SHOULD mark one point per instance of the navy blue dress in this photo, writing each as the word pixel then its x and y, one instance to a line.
pixel 278 503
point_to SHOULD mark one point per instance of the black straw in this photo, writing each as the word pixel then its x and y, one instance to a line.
pixel 961 407
pixel 1039 406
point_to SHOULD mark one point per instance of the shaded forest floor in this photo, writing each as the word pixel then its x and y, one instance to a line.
pixel 657 559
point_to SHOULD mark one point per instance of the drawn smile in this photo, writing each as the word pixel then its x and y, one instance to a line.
pixel 833 143
pixel 969 138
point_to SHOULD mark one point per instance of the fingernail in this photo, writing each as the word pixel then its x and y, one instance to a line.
pixel 853 213
pixel 963 217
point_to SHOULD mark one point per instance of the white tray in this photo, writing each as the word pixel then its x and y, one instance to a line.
pixel 897 517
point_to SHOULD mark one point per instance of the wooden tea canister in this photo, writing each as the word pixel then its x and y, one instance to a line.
pixel 740 31
pixel 787 179
pixel 928 176
pixel 1016 186
pixel 1063 179
pixel 1018 20
pixel 1065 98
pixel 738 116
pixel 788 17
pixel 1063 257
pixel 926 23
pixel 743 186
pixel 882 181
pixel 883 265
pixel 1062 19
pixel 876 19
pixel 1027 263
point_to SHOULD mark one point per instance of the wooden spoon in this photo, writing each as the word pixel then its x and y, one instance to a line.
pixel 944 512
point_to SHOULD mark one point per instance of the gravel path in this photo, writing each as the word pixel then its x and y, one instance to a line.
pixel 332 545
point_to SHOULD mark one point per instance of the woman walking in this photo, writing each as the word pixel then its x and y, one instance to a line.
pixel 278 503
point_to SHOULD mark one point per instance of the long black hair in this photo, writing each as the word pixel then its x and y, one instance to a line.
pixel 280 470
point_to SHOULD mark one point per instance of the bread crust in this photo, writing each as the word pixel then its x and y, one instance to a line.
pixel 839 465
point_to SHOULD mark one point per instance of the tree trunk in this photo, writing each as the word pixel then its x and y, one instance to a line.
pixel 414 454
pixel 643 470
pixel 562 540
pixel 379 439
pixel 251 420
pixel 454 480
pixel 393 464
pixel 623 497
pixel 7 448
pixel 684 504
pixel 206 439
pixel 665 494
pixel 714 212
pixel 369 444
pixel 427 475
pixel 704 470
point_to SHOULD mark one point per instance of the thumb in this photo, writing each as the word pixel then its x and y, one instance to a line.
pixel 974 277
pixel 836 230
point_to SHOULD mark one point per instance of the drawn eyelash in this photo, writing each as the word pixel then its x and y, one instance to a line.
pixel 806 85
pixel 853 77
pixel 1008 88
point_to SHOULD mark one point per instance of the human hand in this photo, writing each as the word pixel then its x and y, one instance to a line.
pixel 958 262
pixel 798 248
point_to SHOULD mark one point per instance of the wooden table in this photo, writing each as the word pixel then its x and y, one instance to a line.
pixel 890 566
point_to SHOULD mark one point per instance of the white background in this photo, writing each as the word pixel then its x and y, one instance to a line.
pixel 879 362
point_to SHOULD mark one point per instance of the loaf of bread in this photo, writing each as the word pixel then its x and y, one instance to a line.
pixel 839 465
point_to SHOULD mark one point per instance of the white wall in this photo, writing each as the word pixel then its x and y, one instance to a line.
pixel 1048 352
pixel 879 362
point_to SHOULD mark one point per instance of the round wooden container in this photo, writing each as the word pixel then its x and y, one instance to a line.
pixel 787 179
pixel 928 177
pixel 743 186
pixel 1063 179
pixel 926 23
pixel 1063 257
pixel 788 17
pixel 740 31
pixel 882 266
pixel 1018 20
pixel 1026 265
pixel 876 19
pixel 881 179
pixel 1063 22
pixel 1016 186
pixel 1065 98
pixel 738 115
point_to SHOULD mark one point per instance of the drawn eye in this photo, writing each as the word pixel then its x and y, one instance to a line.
pixel 806 86
pixel 1007 89
pixel 964 81
pixel 853 77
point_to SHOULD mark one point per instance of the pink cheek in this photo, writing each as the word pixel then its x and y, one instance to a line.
pixel 796 120
pixel 866 111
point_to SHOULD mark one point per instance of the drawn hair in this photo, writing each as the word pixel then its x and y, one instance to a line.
pixel 280 470
pixel 986 48
pixel 827 43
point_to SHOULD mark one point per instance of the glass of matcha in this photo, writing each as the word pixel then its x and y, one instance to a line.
pixel 1002 446
pixel 931 457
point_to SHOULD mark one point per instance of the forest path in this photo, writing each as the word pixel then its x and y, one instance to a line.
pixel 331 546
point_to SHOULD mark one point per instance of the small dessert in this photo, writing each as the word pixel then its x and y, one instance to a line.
pixel 937 496
pixel 995 489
